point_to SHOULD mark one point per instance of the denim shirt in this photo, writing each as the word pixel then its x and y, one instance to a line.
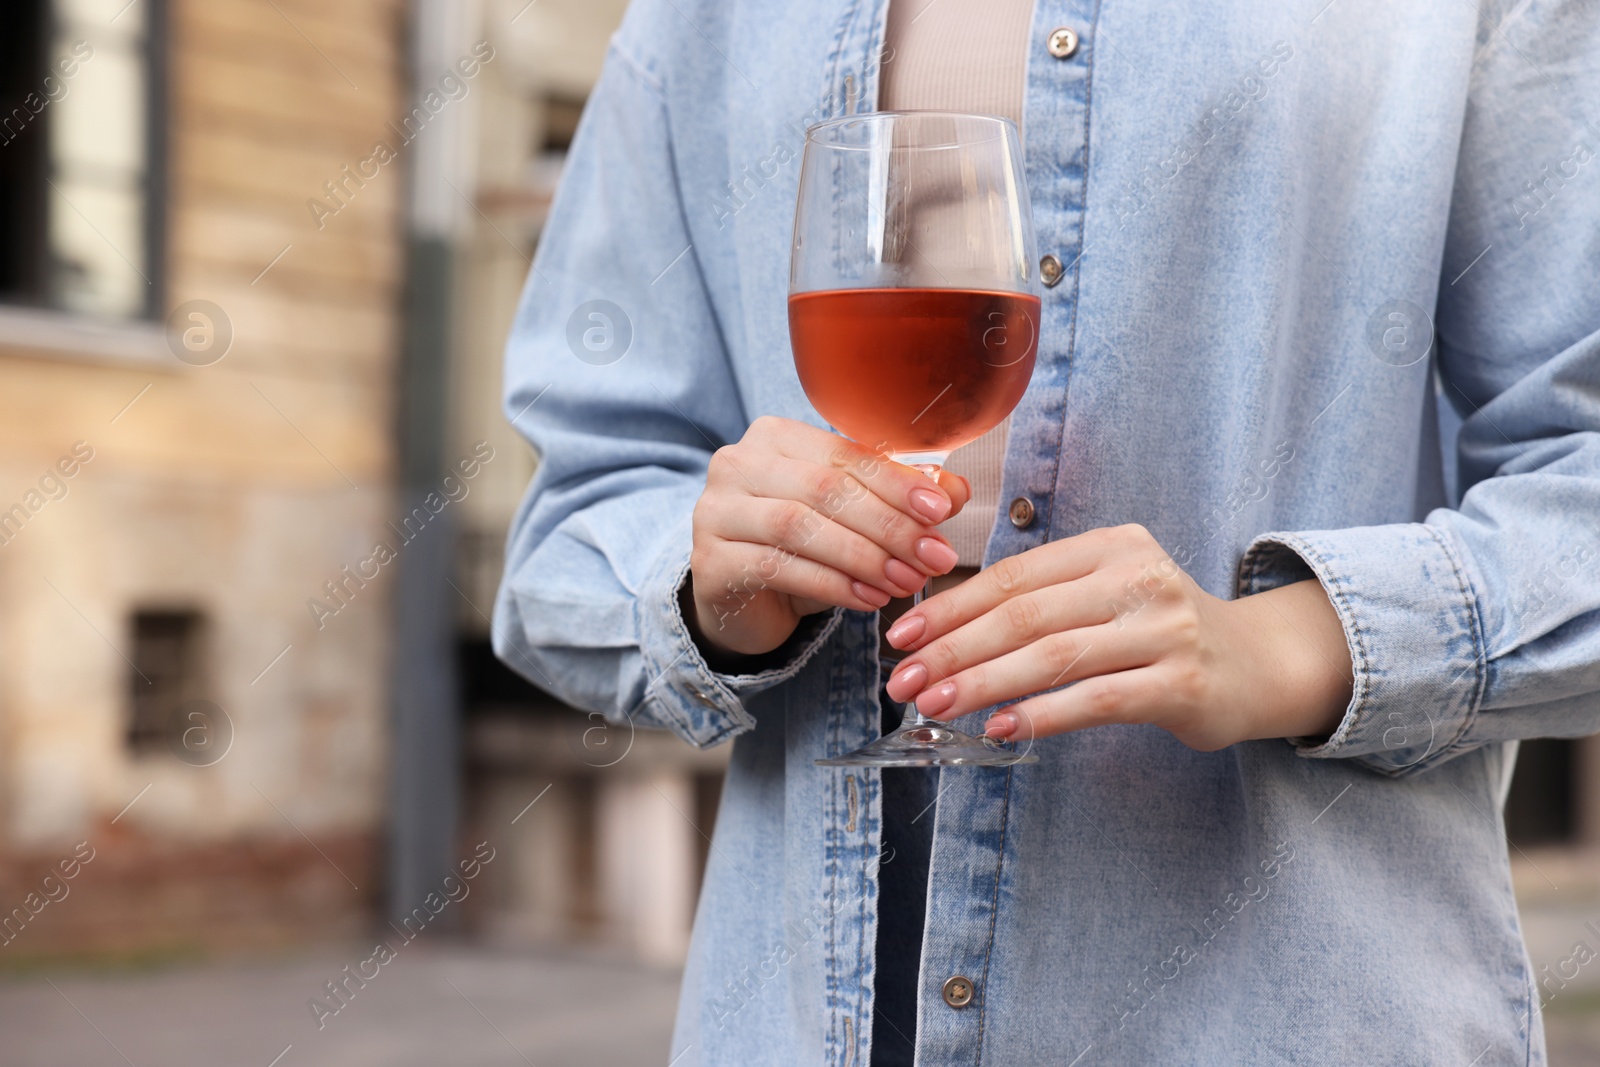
pixel 1287 229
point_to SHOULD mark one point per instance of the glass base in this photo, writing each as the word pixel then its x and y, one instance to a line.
pixel 930 744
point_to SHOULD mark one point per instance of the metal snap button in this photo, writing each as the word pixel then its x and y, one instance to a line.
pixel 1063 42
pixel 958 991
pixel 1021 513
pixel 1050 271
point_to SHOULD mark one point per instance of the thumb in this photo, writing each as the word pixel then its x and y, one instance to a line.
pixel 958 489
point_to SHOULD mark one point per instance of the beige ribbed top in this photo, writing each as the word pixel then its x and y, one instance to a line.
pixel 961 55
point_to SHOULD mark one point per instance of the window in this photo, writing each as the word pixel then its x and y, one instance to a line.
pixel 561 115
pixel 480 557
pixel 707 800
pixel 168 671
pixel 82 156
pixel 1542 806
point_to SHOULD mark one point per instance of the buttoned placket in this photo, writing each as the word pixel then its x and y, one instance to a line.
pixel 967 870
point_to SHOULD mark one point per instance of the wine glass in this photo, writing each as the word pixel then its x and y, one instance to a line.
pixel 914 314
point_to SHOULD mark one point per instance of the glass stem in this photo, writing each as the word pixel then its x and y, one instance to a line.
pixel 911 716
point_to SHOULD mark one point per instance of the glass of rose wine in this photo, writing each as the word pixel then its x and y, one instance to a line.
pixel 914 314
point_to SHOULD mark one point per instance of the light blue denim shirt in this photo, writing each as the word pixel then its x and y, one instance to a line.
pixel 1287 228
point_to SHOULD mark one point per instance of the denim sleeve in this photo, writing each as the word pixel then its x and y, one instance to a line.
pixel 617 374
pixel 1482 623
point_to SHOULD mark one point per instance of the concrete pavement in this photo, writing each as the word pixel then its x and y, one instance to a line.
pixel 432 1005
pixel 449 1003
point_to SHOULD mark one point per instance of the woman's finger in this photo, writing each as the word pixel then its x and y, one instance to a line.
pixel 1125 697
pixel 902 487
pixel 840 496
pixel 1054 660
pixel 1013 624
pixel 758 568
pixel 957 488
pixel 793 527
pixel 1051 564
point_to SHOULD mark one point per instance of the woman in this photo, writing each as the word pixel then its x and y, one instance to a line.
pixel 1273 677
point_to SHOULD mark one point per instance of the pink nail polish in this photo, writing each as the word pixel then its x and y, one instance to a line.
pixel 937 555
pixel 904 575
pixel 907 681
pixel 1001 724
pixel 907 628
pixel 939 699
pixel 930 505
pixel 876 597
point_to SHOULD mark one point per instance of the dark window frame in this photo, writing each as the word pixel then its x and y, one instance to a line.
pixel 156 689
pixel 24 154
pixel 1542 808
pixel 27 268
pixel 157 137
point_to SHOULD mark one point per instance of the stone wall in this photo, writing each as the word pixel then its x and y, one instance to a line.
pixel 235 489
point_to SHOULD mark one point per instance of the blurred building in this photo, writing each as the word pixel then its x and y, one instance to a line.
pixel 612 853
pixel 172 498
pixel 225 226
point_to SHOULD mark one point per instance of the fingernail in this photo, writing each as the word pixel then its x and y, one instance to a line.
pixel 907 682
pixel 936 554
pixel 1001 724
pixel 876 597
pixel 906 629
pixel 932 506
pixel 904 575
pixel 937 700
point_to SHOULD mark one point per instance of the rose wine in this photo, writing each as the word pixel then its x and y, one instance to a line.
pixel 914 370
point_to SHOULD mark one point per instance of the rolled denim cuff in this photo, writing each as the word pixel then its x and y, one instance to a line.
pixel 703 706
pixel 1409 609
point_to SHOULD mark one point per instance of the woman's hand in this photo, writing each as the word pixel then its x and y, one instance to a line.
pixel 1111 612
pixel 795 520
